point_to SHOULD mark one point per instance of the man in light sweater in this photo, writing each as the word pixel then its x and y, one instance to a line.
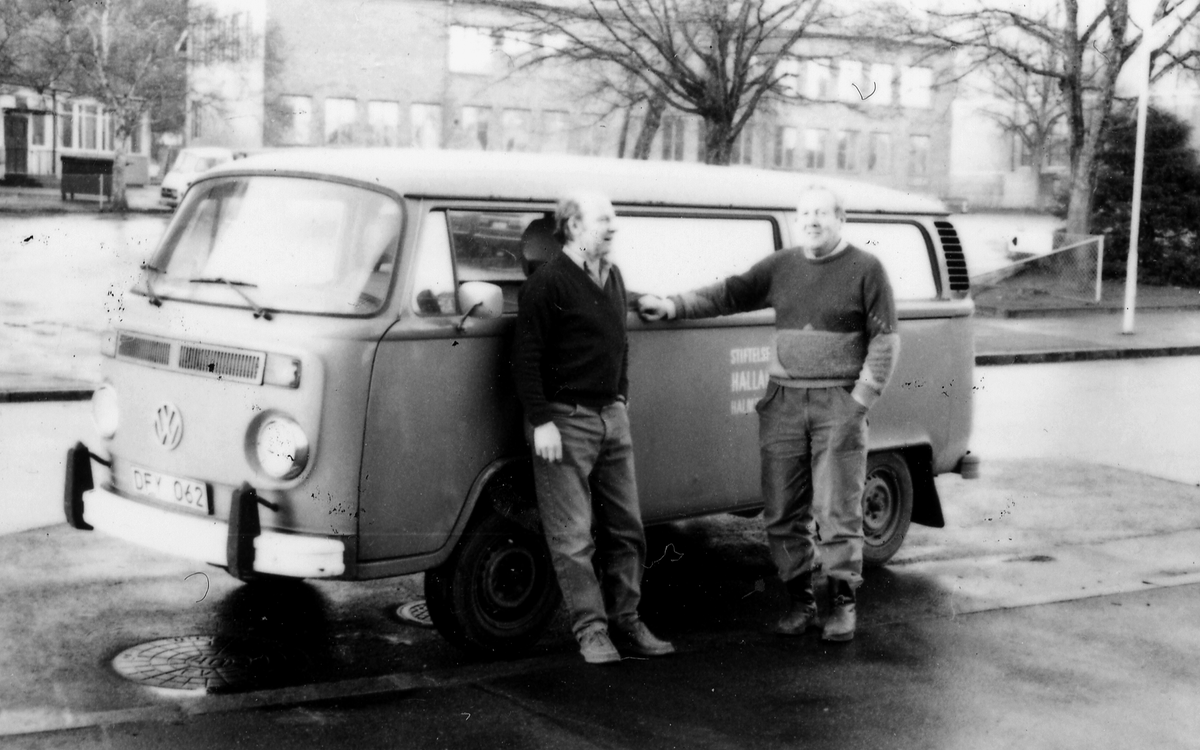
pixel 835 348
pixel 570 362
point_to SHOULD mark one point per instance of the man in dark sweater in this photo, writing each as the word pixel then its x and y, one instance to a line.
pixel 570 361
pixel 835 348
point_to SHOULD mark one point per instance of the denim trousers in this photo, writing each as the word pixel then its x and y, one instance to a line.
pixel 593 488
pixel 813 443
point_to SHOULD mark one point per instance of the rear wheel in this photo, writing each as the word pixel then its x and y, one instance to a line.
pixel 887 506
pixel 497 592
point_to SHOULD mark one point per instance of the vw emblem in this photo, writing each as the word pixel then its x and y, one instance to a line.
pixel 168 426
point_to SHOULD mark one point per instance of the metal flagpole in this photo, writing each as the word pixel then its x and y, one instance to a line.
pixel 1139 157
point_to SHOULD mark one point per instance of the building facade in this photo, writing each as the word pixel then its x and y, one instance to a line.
pixel 439 74
pixel 39 128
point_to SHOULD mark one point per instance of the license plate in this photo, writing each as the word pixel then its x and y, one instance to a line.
pixel 168 489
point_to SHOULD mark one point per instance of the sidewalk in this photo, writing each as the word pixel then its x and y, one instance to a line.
pixel 35 200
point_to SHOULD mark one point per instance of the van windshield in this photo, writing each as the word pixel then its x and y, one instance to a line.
pixel 289 244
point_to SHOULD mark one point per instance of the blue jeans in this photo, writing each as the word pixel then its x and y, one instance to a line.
pixel 593 482
pixel 813 443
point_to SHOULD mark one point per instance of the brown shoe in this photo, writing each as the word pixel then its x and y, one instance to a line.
pixel 799 618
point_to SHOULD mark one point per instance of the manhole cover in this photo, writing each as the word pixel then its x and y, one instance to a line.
pixel 416 613
pixel 202 662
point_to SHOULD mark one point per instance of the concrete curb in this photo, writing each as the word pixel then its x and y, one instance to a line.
pixel 1082 355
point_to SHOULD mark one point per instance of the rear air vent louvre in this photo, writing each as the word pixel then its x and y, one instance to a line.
pixel 956 262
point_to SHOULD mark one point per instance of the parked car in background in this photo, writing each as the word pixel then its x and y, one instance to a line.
pixel 189 165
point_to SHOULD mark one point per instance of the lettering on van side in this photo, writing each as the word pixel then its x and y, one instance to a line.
pixel 743 381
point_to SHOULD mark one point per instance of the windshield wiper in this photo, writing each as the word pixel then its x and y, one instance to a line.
pixel 259 311
pixel 154 298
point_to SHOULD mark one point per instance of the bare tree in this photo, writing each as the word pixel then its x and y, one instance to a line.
pixel 1081 49
pixel 34 47
pixel 1030 108
pixel 717 59
pixel 126 59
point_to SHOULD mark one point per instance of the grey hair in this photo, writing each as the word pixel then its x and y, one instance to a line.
pixel 839 207
pixel 569 207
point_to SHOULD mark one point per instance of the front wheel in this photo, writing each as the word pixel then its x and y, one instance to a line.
pixel 887 507
pixel 497 592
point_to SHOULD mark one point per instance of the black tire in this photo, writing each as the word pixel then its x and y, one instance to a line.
pixel 497 592
pixel 887 507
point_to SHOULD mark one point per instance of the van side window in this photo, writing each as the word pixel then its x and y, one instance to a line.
pixel 500 247
pixel 673 254
pixel 433 289
pixel 904 251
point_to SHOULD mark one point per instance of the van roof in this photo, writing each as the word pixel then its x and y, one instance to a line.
pixel 544 177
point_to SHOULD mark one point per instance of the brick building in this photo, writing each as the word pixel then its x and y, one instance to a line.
pixel 439 74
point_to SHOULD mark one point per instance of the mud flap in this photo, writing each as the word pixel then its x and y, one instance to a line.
pixel 243 530
pixel 79 481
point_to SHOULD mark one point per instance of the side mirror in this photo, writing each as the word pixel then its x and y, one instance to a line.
pixel 479 299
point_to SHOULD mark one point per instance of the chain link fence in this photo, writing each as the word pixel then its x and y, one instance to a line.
pixel 1071 270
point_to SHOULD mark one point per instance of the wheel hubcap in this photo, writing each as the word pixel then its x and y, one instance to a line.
pixel 509 577
pixel 879 506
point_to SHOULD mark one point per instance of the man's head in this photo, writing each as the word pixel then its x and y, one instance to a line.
pixel 586 221
pixel 819 218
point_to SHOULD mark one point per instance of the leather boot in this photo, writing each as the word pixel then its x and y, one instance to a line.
pixel 803 609
pixel 842 616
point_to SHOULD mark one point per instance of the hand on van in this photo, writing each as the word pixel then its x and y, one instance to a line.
pixel 547 443
pixel 651 307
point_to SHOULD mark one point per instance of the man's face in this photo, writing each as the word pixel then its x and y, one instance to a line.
pixel 595 226
pixel 818 221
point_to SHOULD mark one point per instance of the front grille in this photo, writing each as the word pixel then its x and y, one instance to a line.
pixel 956 261
pixel 221 363
pixel 197 359
pixel 147 350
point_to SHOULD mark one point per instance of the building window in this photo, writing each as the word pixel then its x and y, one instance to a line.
pixel 66 124
pixel 514 126
pixel 879 153
pixel 916 87
pixel 847 150
pixel 882 76
pixel 426 125
pixel 472 131
pixel 816 79
pixel 742 151
pixel 37 130
pixel 850 81
pixel 88 127
pixel 296 125
pixel 814 148
pixel 791 73
pixel 785 147
pixel 384 120
pixel 556 132
pixel 135 139
pixel 672 138
pixel 918 157
pixel 340 117
pixel 470 49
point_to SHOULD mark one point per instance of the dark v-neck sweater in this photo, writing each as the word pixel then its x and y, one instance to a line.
pixel 570 345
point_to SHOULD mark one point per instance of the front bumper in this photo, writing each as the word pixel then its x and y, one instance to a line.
pixel 241 548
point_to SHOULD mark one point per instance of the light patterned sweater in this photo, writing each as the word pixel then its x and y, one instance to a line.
pixel 835 318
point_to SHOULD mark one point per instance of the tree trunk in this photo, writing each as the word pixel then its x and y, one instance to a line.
pixel 654 112
pixel 718 141
pixel 119 202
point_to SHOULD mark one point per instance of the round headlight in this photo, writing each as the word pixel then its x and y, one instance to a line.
pixel 105 414
pixel 281 447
